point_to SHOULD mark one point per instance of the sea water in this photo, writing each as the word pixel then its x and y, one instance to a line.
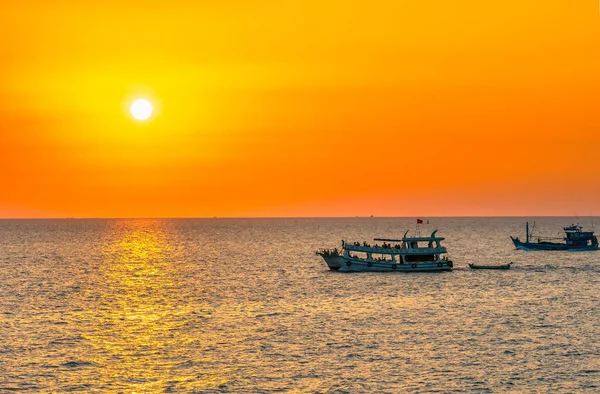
pixel 245 306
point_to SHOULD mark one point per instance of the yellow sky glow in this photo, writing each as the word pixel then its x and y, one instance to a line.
pixel 281 108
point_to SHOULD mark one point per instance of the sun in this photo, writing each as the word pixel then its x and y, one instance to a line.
pixel 141 109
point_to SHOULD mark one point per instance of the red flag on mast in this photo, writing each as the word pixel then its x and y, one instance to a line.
pixel 419 221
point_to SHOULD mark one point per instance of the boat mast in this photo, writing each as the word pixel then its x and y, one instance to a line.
pixel 527 232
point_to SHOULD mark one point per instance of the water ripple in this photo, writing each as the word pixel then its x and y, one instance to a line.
pixel 242 305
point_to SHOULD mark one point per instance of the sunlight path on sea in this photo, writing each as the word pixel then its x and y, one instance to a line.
pixel 244 305
pixel 136 316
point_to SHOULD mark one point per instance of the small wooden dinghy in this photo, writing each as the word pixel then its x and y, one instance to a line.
pixel 490 267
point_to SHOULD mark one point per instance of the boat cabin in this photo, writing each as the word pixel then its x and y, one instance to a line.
pixel 406 250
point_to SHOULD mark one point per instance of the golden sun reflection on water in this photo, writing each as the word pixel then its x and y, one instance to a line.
pixel 238 306
pixel 139 334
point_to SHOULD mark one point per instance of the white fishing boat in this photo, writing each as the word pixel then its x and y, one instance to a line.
pixel 409 254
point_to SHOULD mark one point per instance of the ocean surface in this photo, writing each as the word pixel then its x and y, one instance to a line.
pixel 245 306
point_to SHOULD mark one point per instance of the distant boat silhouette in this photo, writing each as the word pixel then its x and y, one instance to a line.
pixel 490 267
pixel 575 239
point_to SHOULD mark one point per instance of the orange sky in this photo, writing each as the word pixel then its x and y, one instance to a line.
pixel 300 108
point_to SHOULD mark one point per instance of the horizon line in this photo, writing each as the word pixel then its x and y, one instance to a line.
pixel 290 217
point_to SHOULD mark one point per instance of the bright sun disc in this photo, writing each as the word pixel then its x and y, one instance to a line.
pixel 141 109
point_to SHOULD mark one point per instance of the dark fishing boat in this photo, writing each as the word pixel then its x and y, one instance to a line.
pixel 575 240
pixel 490 267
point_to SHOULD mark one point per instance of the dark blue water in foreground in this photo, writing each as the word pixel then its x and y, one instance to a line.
pixel 243 305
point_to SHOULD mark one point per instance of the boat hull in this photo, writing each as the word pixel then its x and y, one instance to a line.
pixel 550 246
pixel 352 265
pixel 333 262
pixel 489 267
